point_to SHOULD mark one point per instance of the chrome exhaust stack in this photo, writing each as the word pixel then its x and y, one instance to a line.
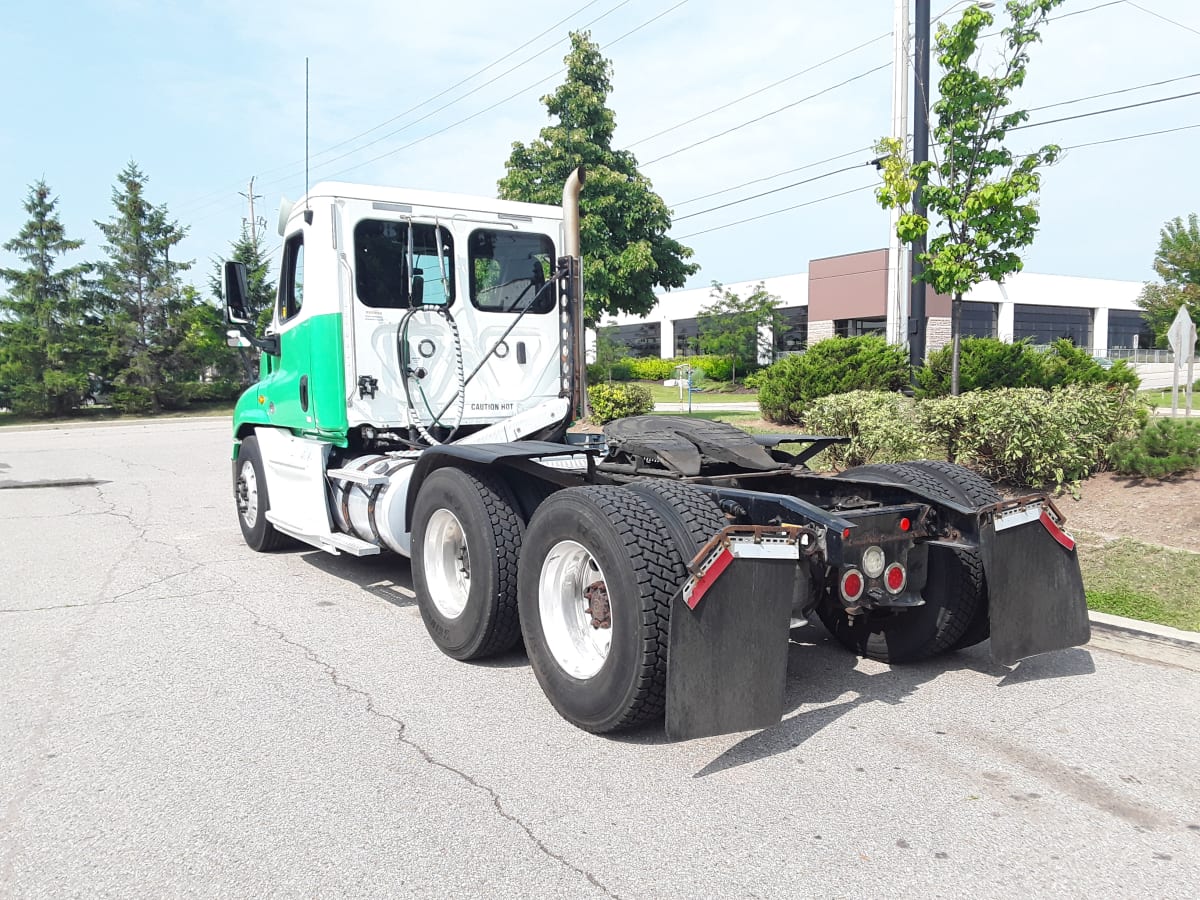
pixel 571 318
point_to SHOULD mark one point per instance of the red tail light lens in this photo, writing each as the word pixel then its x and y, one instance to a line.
pixel 895 578
pixel 852 584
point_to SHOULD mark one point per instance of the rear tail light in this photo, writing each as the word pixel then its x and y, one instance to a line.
pixel 852 585
pixel 894 578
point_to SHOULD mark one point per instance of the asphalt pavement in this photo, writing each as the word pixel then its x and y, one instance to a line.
pixel 182 716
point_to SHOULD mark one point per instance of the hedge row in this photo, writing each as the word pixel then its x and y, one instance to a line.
pixel 174 395
pixel 651 368
pixel 1025 436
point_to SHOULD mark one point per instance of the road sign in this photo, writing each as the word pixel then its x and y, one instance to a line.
pixel 1182 336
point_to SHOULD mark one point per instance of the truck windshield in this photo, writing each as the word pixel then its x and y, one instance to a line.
pixel 508 268
pixel 381 263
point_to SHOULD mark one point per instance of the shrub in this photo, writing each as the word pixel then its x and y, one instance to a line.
pixel 651 368
pixel 984 364
pixel 1164 447
pixel 615 401
pixel 880 424
pixel 832 366
pixel 1029 435
pixel 129 398
pixel 1064 363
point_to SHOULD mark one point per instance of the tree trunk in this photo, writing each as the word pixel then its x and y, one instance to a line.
pixel 955 323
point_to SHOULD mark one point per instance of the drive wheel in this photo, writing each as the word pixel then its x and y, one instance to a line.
pixel 466 540
pixel 955 592
pixel 250 495
pixel 598 570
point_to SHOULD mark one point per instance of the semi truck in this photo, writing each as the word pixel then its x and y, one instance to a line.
pixel 419 381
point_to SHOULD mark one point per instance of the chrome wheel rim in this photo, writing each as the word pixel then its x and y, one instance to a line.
pixel 447 564
pixel 575 609
pixel 247 494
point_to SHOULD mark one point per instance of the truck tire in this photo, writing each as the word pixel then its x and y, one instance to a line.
pixel 955 591
pixel 976 491
pixel 598 571
pixel 250 496
pixel 466 540
pixel 692 516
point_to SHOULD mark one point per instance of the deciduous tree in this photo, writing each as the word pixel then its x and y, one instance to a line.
pixel 982 198
pixel 1177 263
pixel 741 328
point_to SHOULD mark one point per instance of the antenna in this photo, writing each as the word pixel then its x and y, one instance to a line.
pixel 308 216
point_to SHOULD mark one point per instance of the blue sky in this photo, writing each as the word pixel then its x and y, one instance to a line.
pixel 205 94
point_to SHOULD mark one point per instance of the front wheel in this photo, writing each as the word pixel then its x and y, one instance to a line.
pixel 250 496
pixel 598 570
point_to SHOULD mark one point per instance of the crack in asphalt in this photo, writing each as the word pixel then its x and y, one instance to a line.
pixel 402 736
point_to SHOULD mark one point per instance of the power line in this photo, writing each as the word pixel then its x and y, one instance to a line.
pixel 755 93
pixel 500 102
pixel 1130 137
pixel 1099 112
pixel 491 107
pixel 772 191
pixel 767 115
pixel 462 97
pixel 1151 12
pixel 769 177
pixel 447 90
pixel 865 187
pixel 1136 87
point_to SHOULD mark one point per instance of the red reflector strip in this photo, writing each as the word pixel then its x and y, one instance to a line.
pixel 705 581
pixel 1055 532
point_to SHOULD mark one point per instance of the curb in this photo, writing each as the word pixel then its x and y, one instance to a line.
pixel 1145 640
pixel 223 418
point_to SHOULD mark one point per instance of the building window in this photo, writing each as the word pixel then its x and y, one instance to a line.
pixel 859 327
pixel 978 320
pixel 687 337
pixel 1126 326
pixel 1046 324
pixel 792 336
pixel 639 340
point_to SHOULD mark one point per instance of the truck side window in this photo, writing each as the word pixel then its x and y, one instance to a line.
pixel 509 269
pixel 381 263
pixel 291 278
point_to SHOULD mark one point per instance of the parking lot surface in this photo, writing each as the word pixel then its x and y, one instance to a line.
pixel 182 716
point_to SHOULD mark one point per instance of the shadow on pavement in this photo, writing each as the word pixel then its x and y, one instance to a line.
pixel 388 576
pixel 821 672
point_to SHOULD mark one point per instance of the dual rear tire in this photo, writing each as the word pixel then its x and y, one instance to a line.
pixel 955 612
pixel 598 567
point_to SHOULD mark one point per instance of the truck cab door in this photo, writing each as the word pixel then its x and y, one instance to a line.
pixel 290 394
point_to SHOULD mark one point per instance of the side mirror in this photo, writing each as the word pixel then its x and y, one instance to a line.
pixel 236 292
pixel 234 338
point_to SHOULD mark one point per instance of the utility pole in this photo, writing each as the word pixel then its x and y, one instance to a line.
pixel 920 154
pixel 897 296
pixel 251 197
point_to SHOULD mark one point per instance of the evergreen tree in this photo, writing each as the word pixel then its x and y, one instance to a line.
pixel 46 336
pixel 626 250
pixel 146 309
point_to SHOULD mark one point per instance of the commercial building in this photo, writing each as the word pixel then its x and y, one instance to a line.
pixel 847 295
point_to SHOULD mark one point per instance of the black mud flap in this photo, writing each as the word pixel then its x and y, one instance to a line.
pixel 727 658
pixel 1035 590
